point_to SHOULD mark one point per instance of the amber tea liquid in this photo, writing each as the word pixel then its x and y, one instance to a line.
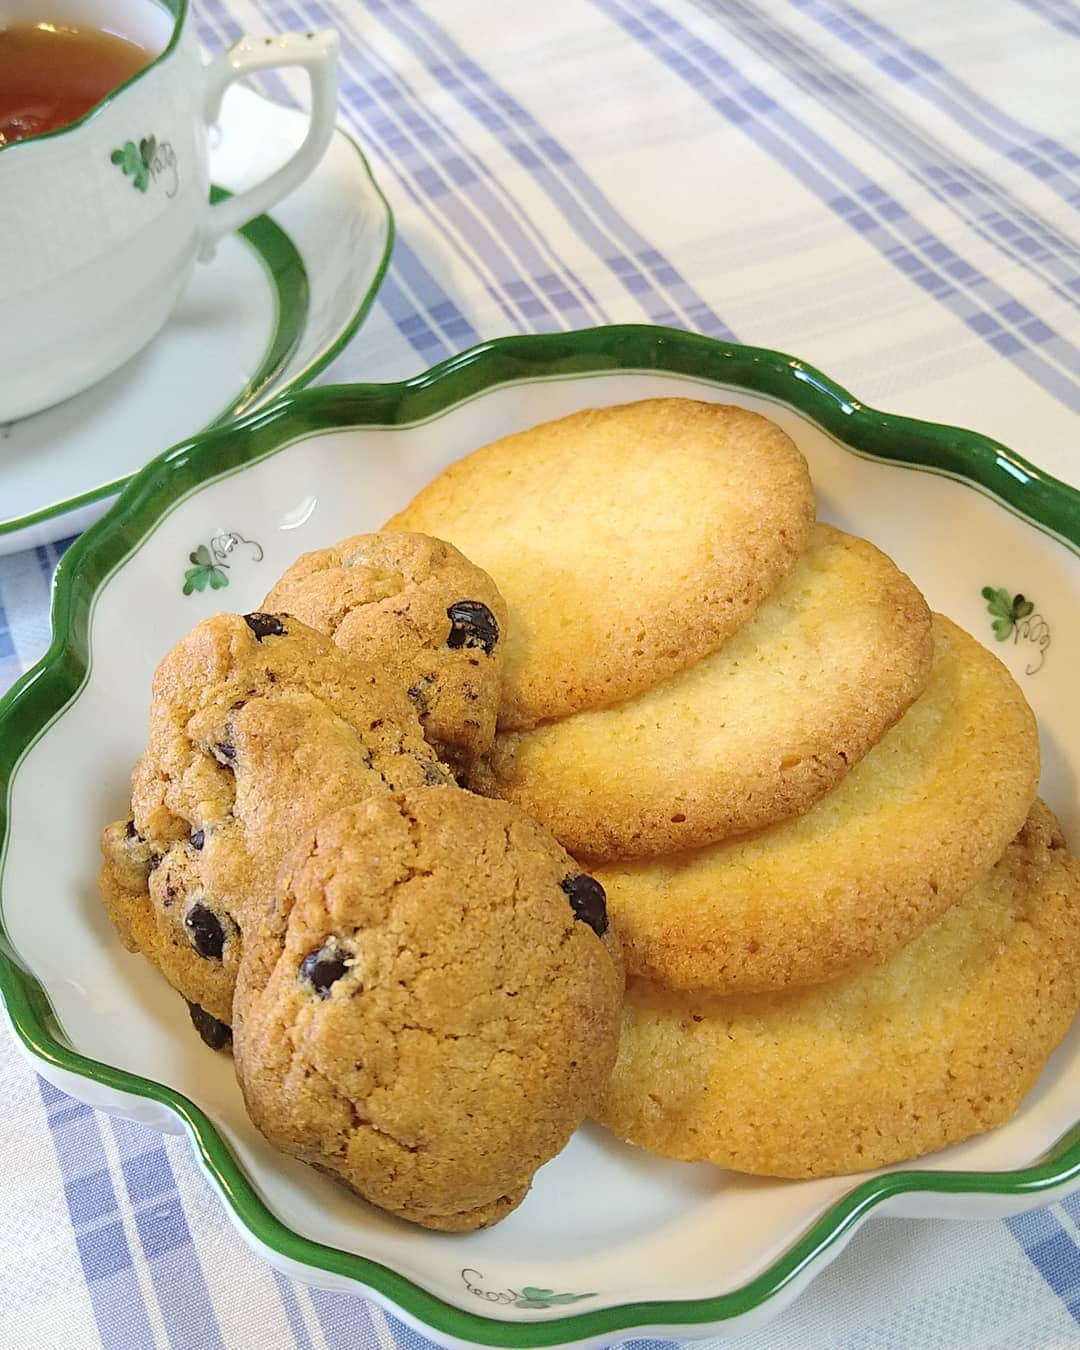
pixel 51 74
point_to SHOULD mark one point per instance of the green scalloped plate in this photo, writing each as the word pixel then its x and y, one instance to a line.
pixel 611 1242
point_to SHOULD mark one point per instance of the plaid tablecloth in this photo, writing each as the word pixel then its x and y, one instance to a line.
pixel 889 191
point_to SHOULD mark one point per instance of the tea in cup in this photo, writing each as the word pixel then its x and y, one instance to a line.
pixel 104 184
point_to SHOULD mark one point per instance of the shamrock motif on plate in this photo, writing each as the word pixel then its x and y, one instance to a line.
pixel 1014 616
pixel 545 1298
pixel 210 566
pixel 1007 609
pixel 204 573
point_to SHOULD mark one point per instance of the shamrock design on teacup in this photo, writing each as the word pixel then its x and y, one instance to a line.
pixel 147 161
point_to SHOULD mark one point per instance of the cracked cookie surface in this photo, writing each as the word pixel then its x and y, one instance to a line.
pixel 421 610
pixel 259 727
pixel 431 1005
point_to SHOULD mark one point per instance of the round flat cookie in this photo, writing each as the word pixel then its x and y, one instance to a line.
pixel 431 1006
pixel 753 733
pixel 423 613
pixel 259 727
pixel 913 825
pixel 939 1044
pixel 628 542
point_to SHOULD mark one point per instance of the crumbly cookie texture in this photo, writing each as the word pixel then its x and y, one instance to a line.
pixel 431 1005
pixel 628 542
pixel 864 870
pixel 939 1044
pixel 752 734
pixel 420 610
pixel 259 727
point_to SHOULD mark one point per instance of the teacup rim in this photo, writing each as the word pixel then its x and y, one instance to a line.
pixel 180 12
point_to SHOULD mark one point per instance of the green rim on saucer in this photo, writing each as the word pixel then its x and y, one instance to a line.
pixel 41 695
pixel 287 277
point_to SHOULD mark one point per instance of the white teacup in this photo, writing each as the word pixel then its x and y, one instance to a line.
pixel 102 221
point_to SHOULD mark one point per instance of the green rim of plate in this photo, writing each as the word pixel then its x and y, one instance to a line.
pixel 35 702
pixel 288 278
pixel 179 10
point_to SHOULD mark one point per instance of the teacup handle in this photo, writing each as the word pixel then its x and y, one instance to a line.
pixel 317 53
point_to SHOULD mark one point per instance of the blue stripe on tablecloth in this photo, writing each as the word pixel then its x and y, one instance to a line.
pixel 404 1336
pixel 1044 158
pixel 413 293
pixel 25 578
pixel 10 665
pixel 1052 1251
pixel 984 307
pixel 409 289
pixel 535 252
pixel 107 1264
pixel 410 321
pixel 430 165
pixel 642 269
pixel 346 1322
pixel 185 1305
pixel 976 199
pixel 289 1302
pixel 1059 15
pixel 638 266
pixel 212 40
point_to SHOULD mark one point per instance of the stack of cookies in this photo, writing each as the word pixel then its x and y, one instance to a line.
pixel 603 700
pixel 421 988
pixel 851 931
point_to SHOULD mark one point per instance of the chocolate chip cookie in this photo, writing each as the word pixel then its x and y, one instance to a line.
pixel 430 1006
pixel 259 727
pixel 424 613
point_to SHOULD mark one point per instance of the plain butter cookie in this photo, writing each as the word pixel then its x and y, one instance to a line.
pixel 628 542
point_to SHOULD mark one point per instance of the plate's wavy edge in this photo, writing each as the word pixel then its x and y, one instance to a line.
pixel 264 242
pixel 36 700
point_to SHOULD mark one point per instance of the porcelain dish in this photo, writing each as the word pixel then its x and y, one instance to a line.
pixel 276 304
pixel 103 219
pixel 611 1242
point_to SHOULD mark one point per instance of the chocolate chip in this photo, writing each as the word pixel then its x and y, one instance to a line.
pixel 588 901
pixel 224 754
pixel 198 838
pixel 323 967
pixel 216 1034
pixel 131 831
pixel 205 931
pixel 154 861
pixel 264 625
pixel 418 691
pixel 472 624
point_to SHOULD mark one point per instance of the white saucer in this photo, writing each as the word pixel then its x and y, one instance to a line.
pixel 278 302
